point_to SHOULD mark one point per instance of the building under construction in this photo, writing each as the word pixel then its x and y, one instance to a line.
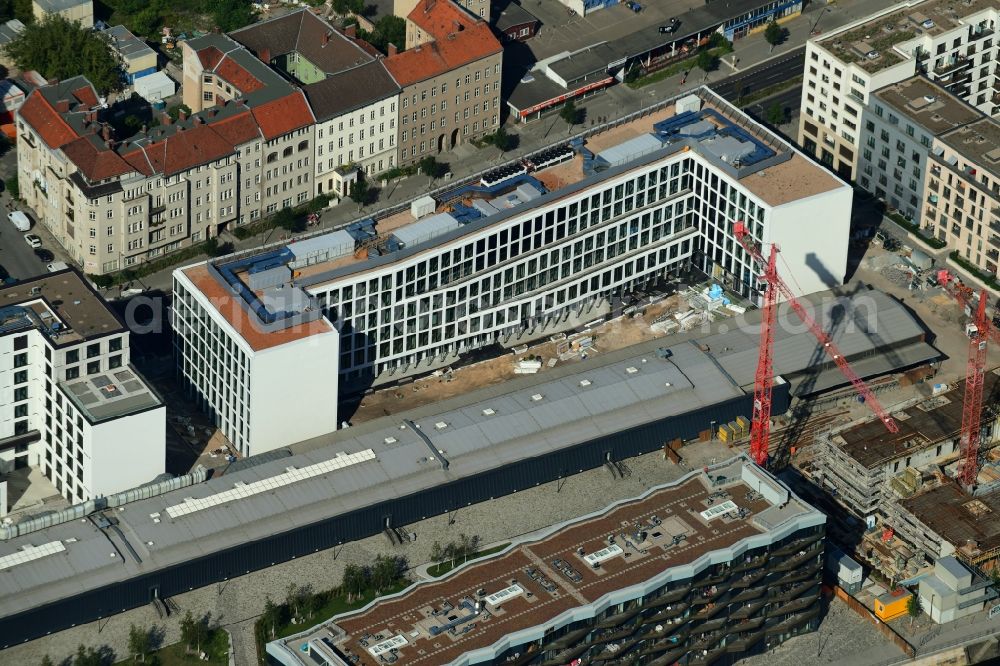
pixel 903 484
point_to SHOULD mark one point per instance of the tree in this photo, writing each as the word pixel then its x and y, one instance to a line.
pixel 175 111
pixel 450 552
pixel 145 22
pixel 47 661
pixel 707 61
pixel 359 192
pixel 388 30
pixel 194 631
pixel 776 114
pixel 138 642
pixel 718 40
pixel 385 572
pixel 500 139
pixel 270 617
pixel 774 34
pixel 60 48
pixel 13 187
pixel 353 581
pixel 437 552
pixel 914 608
pixel 570 113
pixel 233 14
pixel 295 599
pixel 429 166
pixel 86 657
pixel 102 281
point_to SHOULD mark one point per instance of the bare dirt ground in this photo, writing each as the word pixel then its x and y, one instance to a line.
pixel 615 334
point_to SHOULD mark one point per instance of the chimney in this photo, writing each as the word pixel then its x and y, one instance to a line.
pixel 166 119
pixel 145 128
pixel 62 106
pixel 216 30
pixel 52 82
pixel 351 31
pixel 91 116
pixel 182 114
pixel 106 133
pixel 265 55
pixel 392 49
pixel 326 38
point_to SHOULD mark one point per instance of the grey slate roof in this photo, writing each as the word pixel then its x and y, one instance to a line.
pixel 349 90
pixel 514 15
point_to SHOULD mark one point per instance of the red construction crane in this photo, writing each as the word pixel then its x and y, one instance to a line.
pixel 760 426
pixel 979 331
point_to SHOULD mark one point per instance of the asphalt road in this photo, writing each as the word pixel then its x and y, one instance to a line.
pixel 762 76
pixel 16 256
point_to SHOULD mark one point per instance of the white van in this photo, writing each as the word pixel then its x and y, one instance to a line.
pixel 19 220
pixel 56 266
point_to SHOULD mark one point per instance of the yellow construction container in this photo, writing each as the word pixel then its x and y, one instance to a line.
pixel 724 434
pixel 744 424
pixel 892 604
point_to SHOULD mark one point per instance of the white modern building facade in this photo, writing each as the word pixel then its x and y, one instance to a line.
pixel 953 43
pixel 262 390
pixel 546 263
pixel 73 405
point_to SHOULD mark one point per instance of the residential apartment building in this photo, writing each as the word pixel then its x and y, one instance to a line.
pixel 450 76
pixel 116 202
pixel 951 42
pixel 532 260
pixel 352 96
pixel 719 564
pixel 963 192
pixel 73 406
pixel 900 123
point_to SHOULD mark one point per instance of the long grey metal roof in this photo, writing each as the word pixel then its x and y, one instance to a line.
pixel 479 431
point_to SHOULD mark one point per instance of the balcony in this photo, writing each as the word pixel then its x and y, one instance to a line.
pixel 748 610
pixel 796 560
pixel 995 240
pixel 792 591
pixel 748 595
pixel 669 612
pixel 797 544
pixel 744 642
pixel 750 563
pixel 954 65
pixel 792 606
pixel 749 579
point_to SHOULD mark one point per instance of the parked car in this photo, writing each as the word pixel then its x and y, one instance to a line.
pixel 56 266
pixel 635 6
pixel 32 240
pixel 19 220
pixel 44 255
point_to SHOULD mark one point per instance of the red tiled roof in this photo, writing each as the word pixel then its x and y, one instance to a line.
pixel 46 121
pixel 96 163
pixel 137 158
pixel 237 76
pixel 283 115
pixel 210 57
pixel 237 129
pixel 86 95
pixel 459 39
pixel 190 147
